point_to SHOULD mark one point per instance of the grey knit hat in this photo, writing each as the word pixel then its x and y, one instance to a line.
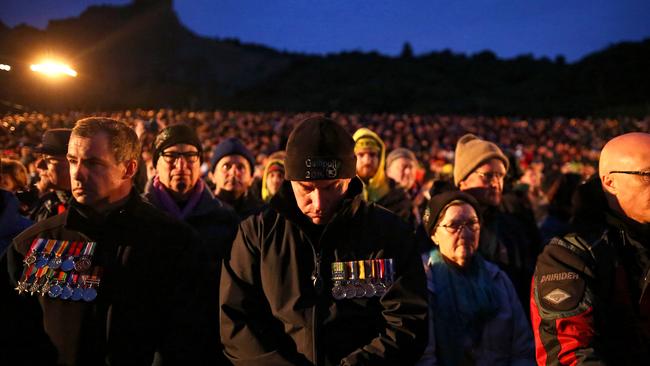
pixel 471 152
pixel 400 152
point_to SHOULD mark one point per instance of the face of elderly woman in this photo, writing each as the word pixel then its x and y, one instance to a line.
pixel 457 234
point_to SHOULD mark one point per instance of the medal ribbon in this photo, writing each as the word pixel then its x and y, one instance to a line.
pixel 37 244
pixel 71 248
pixel 77 249
pixel 63 245
pixel 390 269
pixel 47 279
pixel 89 249
pixel 61 278
pixel 380 268
pixel 338 271
pixel 27 271
pixel 354 270
pixel 96 276
pixel 371 265
pixel 50 274
pixel 48 248
pixel 41 271
pixel 362 270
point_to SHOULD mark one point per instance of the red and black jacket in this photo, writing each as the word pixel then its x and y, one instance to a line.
pixel 589 298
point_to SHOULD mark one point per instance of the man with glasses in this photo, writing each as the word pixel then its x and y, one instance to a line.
pixel 479 169
pixel 590 301
pixel 54 148
pixel 177 188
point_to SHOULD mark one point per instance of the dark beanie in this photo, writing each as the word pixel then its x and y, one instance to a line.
pixel 319 149
pixel 55 141
pixel 438 202
pixel 174 135
pixel 231 146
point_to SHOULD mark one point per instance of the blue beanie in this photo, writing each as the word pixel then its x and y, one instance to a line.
pixel 231 146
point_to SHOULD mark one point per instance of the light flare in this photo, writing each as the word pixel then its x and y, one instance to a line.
pixel 53 69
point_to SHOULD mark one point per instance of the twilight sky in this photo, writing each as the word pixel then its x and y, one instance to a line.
pixel 573 28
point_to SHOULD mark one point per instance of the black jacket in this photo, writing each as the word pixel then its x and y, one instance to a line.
pixel 276 301
pixel 399 202
pixel 510 242
pixel 216 224
pixel 48 205
pixel 146 300
pixel 590 301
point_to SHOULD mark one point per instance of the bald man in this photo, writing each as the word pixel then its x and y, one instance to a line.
pixel 590 302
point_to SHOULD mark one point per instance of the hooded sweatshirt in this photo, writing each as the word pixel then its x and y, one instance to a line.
pixel 378 186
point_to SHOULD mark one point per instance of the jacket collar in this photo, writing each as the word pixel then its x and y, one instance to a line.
pixel 592 213
pixel 85 219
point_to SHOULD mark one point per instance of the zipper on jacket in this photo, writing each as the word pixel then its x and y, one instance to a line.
pixel 645 285
pixel 318 287
pixel 316 278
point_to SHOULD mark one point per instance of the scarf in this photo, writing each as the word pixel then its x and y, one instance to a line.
pixel 168 203
pixel 464 300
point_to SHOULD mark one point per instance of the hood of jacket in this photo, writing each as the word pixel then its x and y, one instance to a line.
pixel 266 195
pixel 377 186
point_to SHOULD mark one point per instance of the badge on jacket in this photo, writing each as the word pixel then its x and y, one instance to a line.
pixel 362 278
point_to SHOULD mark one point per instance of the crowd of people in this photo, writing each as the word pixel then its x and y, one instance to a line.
pixel 219 237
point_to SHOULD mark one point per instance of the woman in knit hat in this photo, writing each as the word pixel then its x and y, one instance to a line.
pixel 475 317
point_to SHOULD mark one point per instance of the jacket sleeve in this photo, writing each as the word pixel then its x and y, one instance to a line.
pixel 429 356
pixel 249 332
pixel 522 350
pixel 562 308
pixel 405 314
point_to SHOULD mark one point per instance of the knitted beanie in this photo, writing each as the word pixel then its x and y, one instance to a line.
pixel 471 152
pixel 319 149
pixel 400 152
pixel 174 135
pixel 437 204
pixel 231 146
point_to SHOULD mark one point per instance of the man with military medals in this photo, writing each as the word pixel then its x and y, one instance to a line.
pixel 323 277
pixel 109 271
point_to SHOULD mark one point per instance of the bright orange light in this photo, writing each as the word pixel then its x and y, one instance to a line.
pixel 53 69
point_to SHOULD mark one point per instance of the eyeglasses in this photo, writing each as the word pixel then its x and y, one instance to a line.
pixel 644 175
pixel 455 227
pixel 488 176
pixel 190 157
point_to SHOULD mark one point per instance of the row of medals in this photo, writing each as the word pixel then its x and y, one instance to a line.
pixel 362 278
pixel 51 285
